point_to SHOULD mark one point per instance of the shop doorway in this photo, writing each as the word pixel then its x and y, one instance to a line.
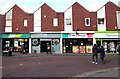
pixel 69 49
pixel 44 45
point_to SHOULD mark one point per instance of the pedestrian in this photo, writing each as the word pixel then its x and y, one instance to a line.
pixel 10 50
pixel 118 48
pixel 22 48
pixel 95 54
pixel 48 48
pixel 102 54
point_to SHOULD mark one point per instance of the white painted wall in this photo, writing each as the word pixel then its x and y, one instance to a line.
pixel 30 46
pixel 37 20
pixel 118 19
pixel 8 26
pixel 68 14
pixel 101 14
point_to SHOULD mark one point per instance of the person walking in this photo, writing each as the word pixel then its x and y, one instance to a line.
pixel 10 50
pixel 95 54
pixel 118 48
pixel 48 48
pixel 102 54
pixel 22 48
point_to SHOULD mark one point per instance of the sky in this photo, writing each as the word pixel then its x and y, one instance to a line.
pixel 58 5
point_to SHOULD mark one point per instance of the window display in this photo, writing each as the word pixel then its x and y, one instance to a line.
pixel 75 49
pixel 89 49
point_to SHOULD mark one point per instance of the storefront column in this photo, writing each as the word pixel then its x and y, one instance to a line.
pixel 30 46
pixel 94 41
pixel 61 44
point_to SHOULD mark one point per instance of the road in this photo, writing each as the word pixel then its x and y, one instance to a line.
pixel 54 66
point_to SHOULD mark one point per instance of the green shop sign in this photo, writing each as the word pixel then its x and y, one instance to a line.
pixel 107 31
pixel 64 35
pixel 15 35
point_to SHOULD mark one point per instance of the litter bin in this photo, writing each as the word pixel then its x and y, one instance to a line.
pixel 10 53
pixel 5 53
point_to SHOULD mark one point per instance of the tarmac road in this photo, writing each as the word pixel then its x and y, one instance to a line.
pixel 58 66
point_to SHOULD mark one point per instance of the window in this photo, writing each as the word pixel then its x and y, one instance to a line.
pixel 8 22
pixel 25 23
pixel 68 21
pixel 100 21
pixel 87 21
pixel 55 22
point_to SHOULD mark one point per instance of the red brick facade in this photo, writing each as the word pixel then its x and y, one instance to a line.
pixel 18 20
pixel 47 16
pixel 79 15
pixel 111 18
pixel 18 17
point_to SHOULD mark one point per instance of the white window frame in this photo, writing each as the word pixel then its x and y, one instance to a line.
pixel 9 23
pixel 25 22
pixel 86 22
pixel 55 22
pixel 68 21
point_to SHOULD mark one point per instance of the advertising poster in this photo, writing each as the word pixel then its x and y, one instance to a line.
pixel 7 44
pixel 16 43
pixel 111 46
pixel 75 49
pixel 82 49
pixel 89 49
pixel 64 49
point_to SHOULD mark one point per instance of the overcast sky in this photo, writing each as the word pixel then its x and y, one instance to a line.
pixel 58 5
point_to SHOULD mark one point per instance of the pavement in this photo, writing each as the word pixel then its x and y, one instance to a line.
pixel 109 72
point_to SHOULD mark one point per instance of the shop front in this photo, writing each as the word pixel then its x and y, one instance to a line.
pixel 44 41
pixel 108 40
pixel 15 41
pixel 77 43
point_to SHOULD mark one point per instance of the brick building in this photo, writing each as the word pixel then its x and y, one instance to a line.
pixel 72 31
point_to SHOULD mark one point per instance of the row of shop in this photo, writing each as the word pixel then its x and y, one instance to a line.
pixel 60 42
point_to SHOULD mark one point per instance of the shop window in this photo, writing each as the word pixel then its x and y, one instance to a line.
pixel 100 21
pixel 68 21
pixel 35 42
pixel 55 22
pixel 75 41
pixel 7 44
pixel 87 21
pixel 25 23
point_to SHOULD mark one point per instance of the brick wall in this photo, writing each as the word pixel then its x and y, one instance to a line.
pixel 47 19
pixel 79 15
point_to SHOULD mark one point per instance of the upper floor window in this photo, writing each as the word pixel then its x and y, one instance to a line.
pixel 8 22
pixel 100 20
pixel 87 21
pixel 68 21
pixel 25 23
pixel 55 22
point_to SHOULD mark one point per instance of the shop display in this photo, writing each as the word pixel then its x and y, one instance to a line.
pixel 75 49
pixel 105 46
pixel 111 46
pixel 89 49
pixel 15 43
pixel 64 49
pixel 7 44
pixel 82 49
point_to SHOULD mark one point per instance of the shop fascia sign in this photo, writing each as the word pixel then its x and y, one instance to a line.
pixel 77 35
pixel 107 35
pixel 15 36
